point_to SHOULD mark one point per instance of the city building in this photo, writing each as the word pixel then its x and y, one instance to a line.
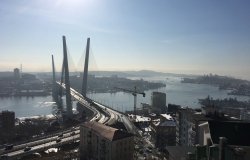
pixel 179 152
pixel 231 111
pixel 204 137
pixel 101 142
pixel 222 140
pixel 145 109
pixel 7 120
pixel 164 131
pixel 221 150
pixel 184 127
pixel 158 100
pixel 140 122
pixel 236 132
pixel 187 126
pixel 16 74
pixel 172 109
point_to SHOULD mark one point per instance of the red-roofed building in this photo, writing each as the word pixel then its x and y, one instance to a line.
pixel 101 142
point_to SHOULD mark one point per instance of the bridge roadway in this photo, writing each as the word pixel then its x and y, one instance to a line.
pixel 102 114
pixel 41 144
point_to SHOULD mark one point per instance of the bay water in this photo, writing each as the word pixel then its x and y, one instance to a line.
pixel 183 94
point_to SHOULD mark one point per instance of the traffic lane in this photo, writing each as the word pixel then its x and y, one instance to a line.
pixel 44 146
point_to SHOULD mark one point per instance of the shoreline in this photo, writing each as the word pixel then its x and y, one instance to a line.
pixel 46 117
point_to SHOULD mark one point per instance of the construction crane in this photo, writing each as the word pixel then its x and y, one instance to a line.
pixel 134 93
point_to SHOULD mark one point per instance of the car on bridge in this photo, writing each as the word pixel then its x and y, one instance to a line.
pixel 4 157
pixel 58 140
pixel 8 147
pixel 26 149
pixel 60 135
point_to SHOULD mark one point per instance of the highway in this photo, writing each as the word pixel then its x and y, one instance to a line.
pixel 101 113
pixel 114 116
pixel 78 97
pixel 117 116
pixel 42 144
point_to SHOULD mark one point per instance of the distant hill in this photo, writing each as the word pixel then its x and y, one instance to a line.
pixel 124 74
pixel 141 73
pixel 236 86
pixel 6 74
pixel 145 73
pixel 149 73
pixel 110 73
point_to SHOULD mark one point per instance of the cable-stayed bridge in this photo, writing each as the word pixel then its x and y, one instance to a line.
pixel 99 112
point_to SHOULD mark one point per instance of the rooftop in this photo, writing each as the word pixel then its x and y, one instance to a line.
pixel 140 118
pixel 167 116
pixel 164 123
pixel 236 132
pixel 107 132
pixel 179 152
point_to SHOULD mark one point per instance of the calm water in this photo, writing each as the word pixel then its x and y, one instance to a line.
pixel 183 94
pixel 28 106
pixel 177 93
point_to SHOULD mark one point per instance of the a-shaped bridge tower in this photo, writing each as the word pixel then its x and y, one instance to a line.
pixel 65 78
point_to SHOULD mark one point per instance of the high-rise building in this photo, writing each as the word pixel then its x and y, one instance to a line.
pixel 7 120
pixel 101 142
pixel 158 100
pixel 16 73
pixel 184 126
pixel 187 126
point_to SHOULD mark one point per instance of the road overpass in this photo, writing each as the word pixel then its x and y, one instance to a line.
pixel 101 113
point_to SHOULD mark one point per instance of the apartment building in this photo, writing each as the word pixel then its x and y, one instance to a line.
pixel 101 142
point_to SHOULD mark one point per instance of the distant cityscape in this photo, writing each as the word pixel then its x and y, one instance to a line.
pixel 237 86
pixel 159 131
pixel 155 80
pixel 23 85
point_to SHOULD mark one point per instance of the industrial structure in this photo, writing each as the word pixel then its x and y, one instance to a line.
pixel 134 93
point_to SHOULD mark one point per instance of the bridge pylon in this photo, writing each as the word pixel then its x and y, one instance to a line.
pixel 54 88
pixel 65 70
pixel 85 72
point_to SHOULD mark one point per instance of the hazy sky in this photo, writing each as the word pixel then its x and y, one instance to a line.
pixel 196 37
